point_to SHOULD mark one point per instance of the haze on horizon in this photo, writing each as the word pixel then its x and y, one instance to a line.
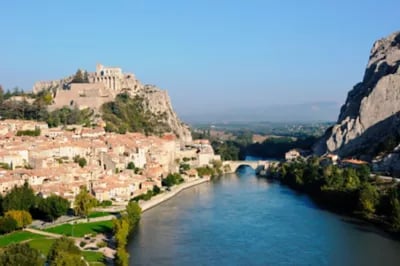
pixel 260 60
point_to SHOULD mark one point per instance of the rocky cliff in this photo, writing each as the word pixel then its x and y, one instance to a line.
pixel 369 122
pixel 104 85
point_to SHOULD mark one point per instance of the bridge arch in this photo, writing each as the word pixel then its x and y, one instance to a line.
pixel 233 166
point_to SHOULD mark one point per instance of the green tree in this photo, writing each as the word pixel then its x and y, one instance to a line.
pixel 121 257
pixel 368 199
pixel 395 215
pixel 78 78
pixel 82 162
pixel 184 167
pixel 53 207
pixel 133 211
pixel 394 210
pixel 66 259
pixel 64 247
pixel 1 94
pixel 21 255
pixel 84 202
pixel 156 190
pixel 131 166
pixel 47 98
pixel 23 218
pixel 19 198
pixel 351 180
pixel 121 231
pixel 7 225
pixel 172 179
pixel 364 173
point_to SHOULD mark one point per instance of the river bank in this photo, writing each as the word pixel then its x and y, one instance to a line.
pixel 144 205
pixel 240 219
pixel 347 191
pixel 133 214
pixel 160 198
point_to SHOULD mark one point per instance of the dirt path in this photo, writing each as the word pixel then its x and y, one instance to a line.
pixel 38 232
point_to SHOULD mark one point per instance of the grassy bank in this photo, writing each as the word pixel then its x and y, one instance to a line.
pixel 82 229
pixel 17 237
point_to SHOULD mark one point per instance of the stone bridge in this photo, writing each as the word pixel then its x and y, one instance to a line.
pixel 258 166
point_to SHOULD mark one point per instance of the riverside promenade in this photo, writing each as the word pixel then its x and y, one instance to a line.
pixel 154 201
pixel 145 205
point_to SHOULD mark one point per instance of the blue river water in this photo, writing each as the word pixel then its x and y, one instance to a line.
pixel 240 219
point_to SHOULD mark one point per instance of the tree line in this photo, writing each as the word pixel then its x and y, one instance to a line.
pixel 122 228
pixel 20 205
pixel 63 251
pixel 38 110
pixel 345 189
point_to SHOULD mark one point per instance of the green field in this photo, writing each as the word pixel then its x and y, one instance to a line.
pixel 43 245
pixel 93 256
pixel 98 214
pixel 17 237
pixel 82 229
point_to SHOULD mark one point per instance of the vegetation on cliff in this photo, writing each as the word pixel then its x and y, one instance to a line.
pixel 81 76
pixel 131 114
pixel 36 109
pixel 275 147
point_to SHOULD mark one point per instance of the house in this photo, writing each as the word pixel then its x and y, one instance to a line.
pixel 329 159
pixel 292 155
pixel 355 163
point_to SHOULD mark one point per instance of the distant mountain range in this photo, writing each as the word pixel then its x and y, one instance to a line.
pixel 306 112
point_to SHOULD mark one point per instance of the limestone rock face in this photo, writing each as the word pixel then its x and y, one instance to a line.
pixel 371 113
pixel 159 102
pixel 103 86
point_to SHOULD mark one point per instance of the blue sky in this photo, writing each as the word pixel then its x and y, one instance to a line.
pixel 211 56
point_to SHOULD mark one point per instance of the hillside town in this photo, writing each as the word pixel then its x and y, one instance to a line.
pixel 113 167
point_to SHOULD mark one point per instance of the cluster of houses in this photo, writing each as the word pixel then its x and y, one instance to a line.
pixel 327 159
pixel 115 166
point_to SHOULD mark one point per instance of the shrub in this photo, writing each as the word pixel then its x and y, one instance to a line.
pixel 131 166
pixel 122 257
pixel 156 190
pixel 7 225
pixel 172 179
pixel 21 254
pixel 23 218
pixel 62 248
pixel 106 203
pixel 32 133
pixel 101 244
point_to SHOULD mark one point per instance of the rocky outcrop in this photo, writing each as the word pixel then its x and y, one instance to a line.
pixel 160 103
pixel 104 85
pixel 368 123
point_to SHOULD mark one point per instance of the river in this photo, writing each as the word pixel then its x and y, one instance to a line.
pixel 240 219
